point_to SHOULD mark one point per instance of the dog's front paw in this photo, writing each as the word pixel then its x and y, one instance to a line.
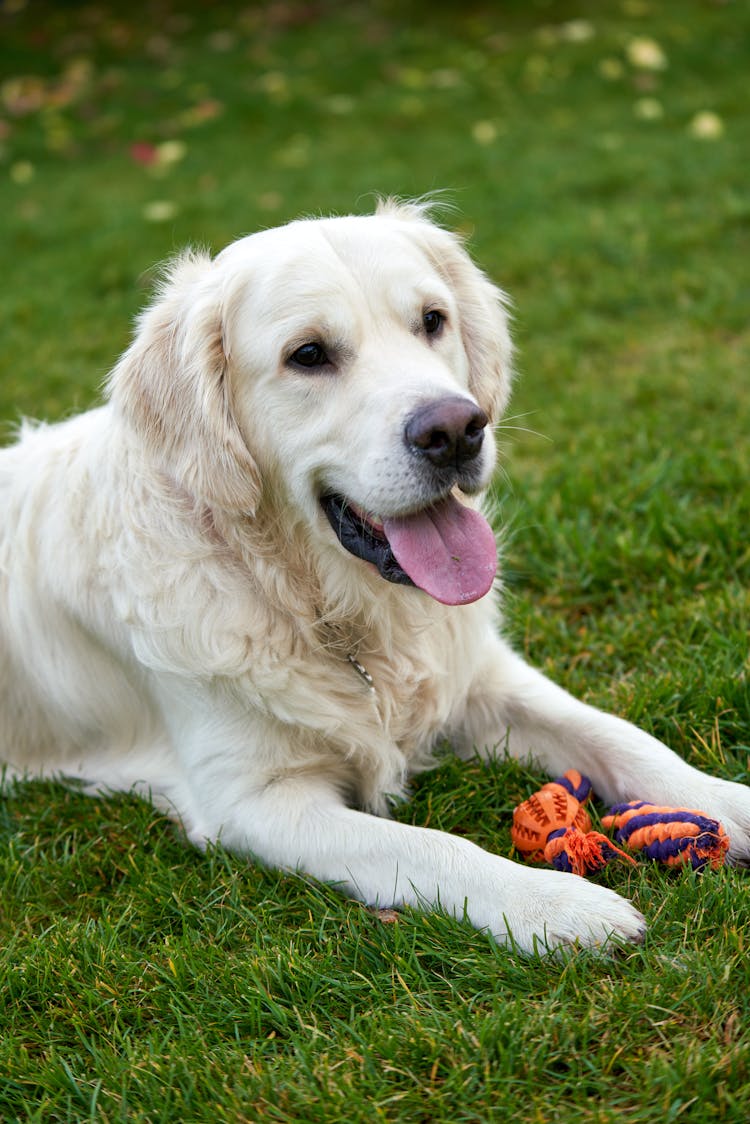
pixel 552 910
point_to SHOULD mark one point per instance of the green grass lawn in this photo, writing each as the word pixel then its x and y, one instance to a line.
pixel 597 154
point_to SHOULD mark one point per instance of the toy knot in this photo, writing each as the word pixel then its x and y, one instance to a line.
pixel 581 852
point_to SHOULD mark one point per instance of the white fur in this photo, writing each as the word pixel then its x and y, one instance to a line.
pixel 178 617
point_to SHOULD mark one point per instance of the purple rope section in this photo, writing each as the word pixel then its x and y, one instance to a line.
pixel 648 819
pixel 581 792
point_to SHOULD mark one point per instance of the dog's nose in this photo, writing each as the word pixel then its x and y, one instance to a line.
pixel 448 431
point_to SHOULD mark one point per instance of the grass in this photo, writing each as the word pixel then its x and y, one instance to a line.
pixel 142 981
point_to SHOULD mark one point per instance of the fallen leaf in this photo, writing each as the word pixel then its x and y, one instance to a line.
pixel 645 54
pixel 706 126
pixel 484 132
pixel 22 172
pixel 648 109
pixel 386 916
pixel 143 153
pixel 170 152
pixel 160 210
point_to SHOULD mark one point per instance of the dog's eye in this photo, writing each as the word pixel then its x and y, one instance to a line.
pixel 309 355
pixel 433 321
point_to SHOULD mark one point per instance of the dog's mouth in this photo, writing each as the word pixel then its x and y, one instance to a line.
pixel 447 549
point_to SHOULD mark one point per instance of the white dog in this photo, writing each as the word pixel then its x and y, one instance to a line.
pixel 256 585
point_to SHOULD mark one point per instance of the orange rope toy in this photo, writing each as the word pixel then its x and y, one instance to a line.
pixel 674 836
pixel 553 826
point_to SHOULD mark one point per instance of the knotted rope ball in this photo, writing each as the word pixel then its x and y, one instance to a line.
pixel 556 806
pixel 553 826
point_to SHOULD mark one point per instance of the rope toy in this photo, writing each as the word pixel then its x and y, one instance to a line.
pixel 673 836
pixel 553 826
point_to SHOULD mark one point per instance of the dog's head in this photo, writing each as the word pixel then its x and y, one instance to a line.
pixel 353 366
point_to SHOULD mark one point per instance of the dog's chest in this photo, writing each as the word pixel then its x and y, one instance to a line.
pixel 406 686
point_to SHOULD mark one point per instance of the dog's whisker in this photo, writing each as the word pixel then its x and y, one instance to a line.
pixel 501 426
pixel 517 417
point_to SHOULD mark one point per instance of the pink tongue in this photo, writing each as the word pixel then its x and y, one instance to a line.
pixel 448 550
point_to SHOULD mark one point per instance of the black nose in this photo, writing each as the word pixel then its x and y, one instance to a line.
pixel 448 431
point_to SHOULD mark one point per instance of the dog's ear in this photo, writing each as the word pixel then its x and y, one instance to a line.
pixel 173 388
pixel 482 306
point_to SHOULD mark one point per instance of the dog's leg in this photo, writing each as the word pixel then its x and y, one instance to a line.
pixel 514 708
pixel 301 824
pixel 246 783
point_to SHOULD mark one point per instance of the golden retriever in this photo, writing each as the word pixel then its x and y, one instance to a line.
pixel 256 585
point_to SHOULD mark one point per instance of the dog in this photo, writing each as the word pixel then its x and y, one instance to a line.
pixel 256 585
